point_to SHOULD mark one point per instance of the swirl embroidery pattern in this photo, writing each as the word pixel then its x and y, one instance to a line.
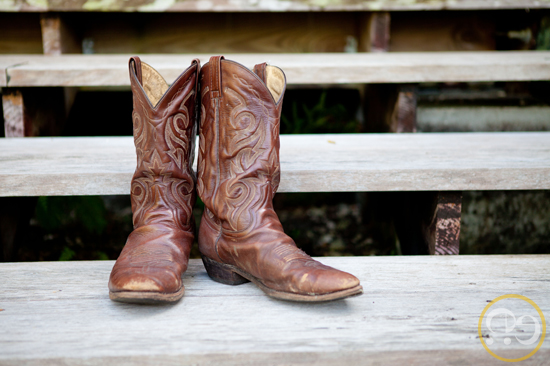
pixel 252 166
pixel 162 177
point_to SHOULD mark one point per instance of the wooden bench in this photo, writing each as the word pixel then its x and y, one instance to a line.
pixel 309 163
pixel 415 310
pixel 309 69
pixel 447 162
pixel 419 310
pixel 362 29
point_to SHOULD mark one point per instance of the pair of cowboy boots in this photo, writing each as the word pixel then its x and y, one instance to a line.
pixel 240 237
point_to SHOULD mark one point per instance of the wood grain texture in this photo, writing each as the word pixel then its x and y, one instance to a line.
pixel 328 68
pixel 444 31
pixel 7 61
pixel 415 310
pixel 309 163
pixel 51 34
pixel 266 5
pixel 219 33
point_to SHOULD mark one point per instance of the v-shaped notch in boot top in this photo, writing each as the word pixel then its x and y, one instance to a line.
pixel 152 82
pixel 273 78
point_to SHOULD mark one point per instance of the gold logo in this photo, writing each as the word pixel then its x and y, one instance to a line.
pixel 536 327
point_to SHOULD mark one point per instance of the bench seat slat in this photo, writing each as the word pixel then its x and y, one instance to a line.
pixel 415 310
pixel 309 163
pixel 328 68
pixel 7 61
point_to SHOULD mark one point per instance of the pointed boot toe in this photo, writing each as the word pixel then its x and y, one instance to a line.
pixel 145 284
pixel 333 284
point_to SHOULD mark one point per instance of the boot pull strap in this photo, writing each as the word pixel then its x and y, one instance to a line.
pixel 135 62
pixel 259 70
pixel 198 63
pixel 216 76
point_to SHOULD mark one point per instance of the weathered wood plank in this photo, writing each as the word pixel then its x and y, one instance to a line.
pixel 5 63
pixel 415 309
pixel 328 68
pixel 3 78
pixel 309 163
pixel 483 118
pixel 267 5
pixel 207 33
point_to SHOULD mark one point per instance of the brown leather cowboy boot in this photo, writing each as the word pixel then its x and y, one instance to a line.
pixel 241 238
pixel 150 267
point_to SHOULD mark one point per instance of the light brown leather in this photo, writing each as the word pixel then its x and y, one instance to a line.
pixel 150 267
pixel 238 174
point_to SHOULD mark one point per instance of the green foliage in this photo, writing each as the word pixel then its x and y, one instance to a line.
pixel 543 37
pixel 55 212
pixel 67 254
pixel 505 222
pixel 321 118
pixel 102 256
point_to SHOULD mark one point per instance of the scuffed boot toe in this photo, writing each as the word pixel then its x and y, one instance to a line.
pixel 128 285
pixel 335 284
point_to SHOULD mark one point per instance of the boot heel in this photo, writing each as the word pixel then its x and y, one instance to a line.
pixel 222 273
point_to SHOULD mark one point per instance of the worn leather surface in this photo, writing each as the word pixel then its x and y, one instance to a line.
pixel 238 176
pixel 163 187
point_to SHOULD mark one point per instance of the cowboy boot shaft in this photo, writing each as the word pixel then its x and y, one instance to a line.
pixel 238 164
pixel 164 136
pixel 239 143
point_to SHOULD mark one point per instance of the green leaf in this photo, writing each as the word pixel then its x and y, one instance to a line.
pixel 67 254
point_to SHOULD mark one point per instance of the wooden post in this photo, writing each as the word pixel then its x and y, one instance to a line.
pixel 374 35
pixel 57 37
pixel 427 222
pixel 15 212
pixel 387 107
pixel 442 230
pixel 15 122
pixel 390 108
pixel 403 116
